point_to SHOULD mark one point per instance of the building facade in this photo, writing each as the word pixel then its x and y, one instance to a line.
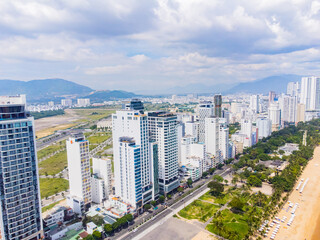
pixel 20 210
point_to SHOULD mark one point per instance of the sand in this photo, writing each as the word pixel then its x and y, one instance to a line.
pixel 203 236
pixel 307 221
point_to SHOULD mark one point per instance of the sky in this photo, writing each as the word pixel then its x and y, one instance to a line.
pixel 147 45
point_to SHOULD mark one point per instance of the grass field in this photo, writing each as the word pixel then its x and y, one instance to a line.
pixel 54 164
pixel 51 186
pixel 51 149
pixel 222 199
pixel 93 113
pixel 231 223
pixel 50 206
pixel 98 138
pixel 199 210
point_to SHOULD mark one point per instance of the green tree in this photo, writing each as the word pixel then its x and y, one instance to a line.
pixel 97 235
pixel 236 204
pixel 146 207
pixel 189 182
pixel 153 203
pixel 108 228
pixel 234 180
pixel 89 237
pixel 253 180
pixel 216 187
pixel 161 199
pixel 204 174
pixel 218 178
pixel 115 226
pixel 129 217
pixel 180 189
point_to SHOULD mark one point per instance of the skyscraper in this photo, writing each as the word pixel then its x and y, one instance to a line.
pixel 79 168
pixel 163 131
pixel 217 105
pixel 205 109
pixel 310 92
pixel 133 168
pixel 293 89
pixel 212 128
pixel 272 96
pixel 20 210
pixel 274 114
pixel 254 103
pixel 264 127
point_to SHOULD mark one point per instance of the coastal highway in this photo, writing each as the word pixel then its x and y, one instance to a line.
pixel 161 217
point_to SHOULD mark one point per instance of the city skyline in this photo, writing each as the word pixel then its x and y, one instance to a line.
pixel 157 44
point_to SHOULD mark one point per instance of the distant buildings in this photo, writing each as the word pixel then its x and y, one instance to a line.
pixel 20 210
pixel 274 114
pixel 66 102
pixel 205 110
pixel 83 102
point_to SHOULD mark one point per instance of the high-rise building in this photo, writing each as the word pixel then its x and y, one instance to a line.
pixel 20 210
pixel 288 107
pixel 205 109
pixel 254 103
pixel 310 92
pixel 272 96
pixel 217 105
pixel 133 170
pixel 264 127
pixel 301 109
pixel 101 181
pixel 293 89
pixel 224 141
pixel 191 129
pixel 212 128
pixel 163 131
pixel 79 169
pixel 274 114
pixel 83 102
pixel 66 102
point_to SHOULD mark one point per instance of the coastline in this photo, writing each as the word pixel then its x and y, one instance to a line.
pixel 307 216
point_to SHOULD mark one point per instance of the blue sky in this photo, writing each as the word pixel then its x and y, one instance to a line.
pixel 145 45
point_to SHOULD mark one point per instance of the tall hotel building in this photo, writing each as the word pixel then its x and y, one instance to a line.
pixel 205 110
pixel 163 129
pixel 79 172
pixel 133 166
pixel 20 210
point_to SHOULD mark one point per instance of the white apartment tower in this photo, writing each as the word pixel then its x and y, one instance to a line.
pixel 310 92
pixel 163 131
pixel 79 168
pixel 20 210
pixel 205 110
pixel 212 128
pixel 101 182
pixel 288 107
pixel 132 163
pixel 274 114
pixel 293 89
pixel 264 127
pixel 254 103
pixel 224 141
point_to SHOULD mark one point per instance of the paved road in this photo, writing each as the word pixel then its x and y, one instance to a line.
pixel 168 212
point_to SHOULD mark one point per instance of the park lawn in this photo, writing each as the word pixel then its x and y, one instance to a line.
pixel 54 164
pixel 232 222
pixel 222 199
pixel 51 149
pixel 51 186
pixel 98 138
pixel 199 210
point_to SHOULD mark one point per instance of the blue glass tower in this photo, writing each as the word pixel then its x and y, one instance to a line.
pixel 20 211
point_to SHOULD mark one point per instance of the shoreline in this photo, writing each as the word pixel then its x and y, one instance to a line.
pixel 307 216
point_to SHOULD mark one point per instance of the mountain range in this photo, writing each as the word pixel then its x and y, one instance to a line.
pixel 55 89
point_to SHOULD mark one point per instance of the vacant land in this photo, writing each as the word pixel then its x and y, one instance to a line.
pixel 54 164
pixel 51 186
pixel 199 210
pixel 221 199
pixel 51 149
pixel 71 118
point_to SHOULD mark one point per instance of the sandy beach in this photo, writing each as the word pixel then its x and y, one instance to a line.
pixel 307 215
